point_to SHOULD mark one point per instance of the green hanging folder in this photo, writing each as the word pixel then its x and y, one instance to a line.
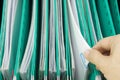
pixel 35 49
pixel 118 5
pixel 88 24
pixel 89 21
pixel 2 33
pixel 105 18
pixel 1 7
pixel 46 40
pixel 79 46
pixel 17 29
pixel 43 66
pixel 114 9
pixel 94 73
pixel 61 47
pixel 67 43
pixel 82 21
pixel 95 19
pixel 10 41
pixel 23 35
pixel 72 60
pixel 26 68
pixel 57 41
pixel 42 44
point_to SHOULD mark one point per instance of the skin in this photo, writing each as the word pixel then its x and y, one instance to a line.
pixel 106 56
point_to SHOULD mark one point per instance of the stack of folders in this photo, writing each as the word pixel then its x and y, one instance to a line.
pixel 46 39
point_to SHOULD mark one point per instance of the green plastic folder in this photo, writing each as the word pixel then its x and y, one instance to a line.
pixel 93 72
pixel 119 5
pixel 95 19
pixel 61 41
pixel 71 58
pixel 6 67
pixel 43 65
pixel 82 21
pixel 1 7
pixel 105 18
pixel 47 29
pixel 114 9
pixel 35 49
pixel 67 42
pixel 2 33
pixel 57 40
pixel 23 36
pixel 89 21
pixel 17 27
pixel 42 43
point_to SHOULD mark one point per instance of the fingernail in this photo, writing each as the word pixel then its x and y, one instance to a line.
pixel 87 52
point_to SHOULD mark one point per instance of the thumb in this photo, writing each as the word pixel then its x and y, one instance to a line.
pixel 96 58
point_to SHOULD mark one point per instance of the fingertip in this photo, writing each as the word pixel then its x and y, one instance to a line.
pixel 92 55
pixel 86 52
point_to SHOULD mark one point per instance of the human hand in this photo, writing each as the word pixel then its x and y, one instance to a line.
pixel 106 56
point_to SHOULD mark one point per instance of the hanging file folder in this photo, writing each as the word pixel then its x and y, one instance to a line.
pixel 93 71
pixel 105 18
pixel 25 67
pixel 34 60
pixel 23 35
pixel 43 69
pixel 42 44
pixel 114 9
pixel 16 30
pixel 95 19
pixel 67 41
pixel 61 47
pixel 79 46
pixel 1 7
pixel 2 33
pixel 82 21
pixel 10 41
